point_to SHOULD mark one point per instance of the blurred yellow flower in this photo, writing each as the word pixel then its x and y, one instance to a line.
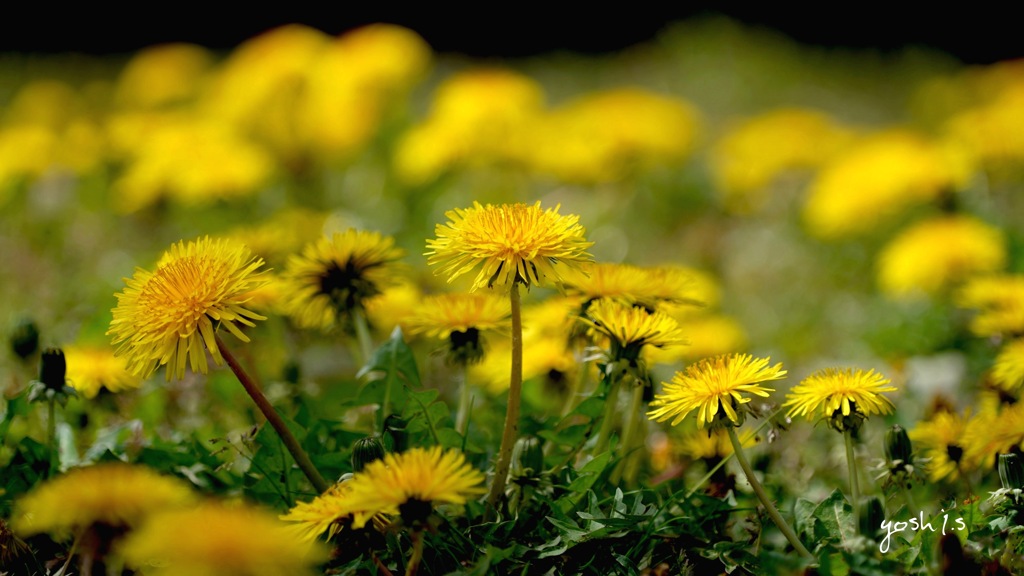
pixel 712 385
pixel 835 392
pixel 112 494
pixel 462 320
pixel 991 131
pixel 648 287
pixel 631 328
pixel 935 254
pixel 410 484
pixel 512 243
pixel 170 316
pixel 753 153
pixel 940 440
pixel 1008 371
pixel 705 445
pixel 544 356
pixel 220 540
pixel 334 276
pixel 877 178
pixel 477 117
pixel 999 300
pixel 604 136
pixel 90 368
pixel 163 75
pixel 706 335
pixel 285 232
pixel 394 306
pixel 992 430
pixel 329 512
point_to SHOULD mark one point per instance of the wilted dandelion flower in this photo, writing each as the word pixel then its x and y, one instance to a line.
pixel 462 320
pixel 999 301
pixel 714 386
pixel 168 316
pixel 511 243
pixel 219 540
pixel 333 277
pixel 843 396
pixel 935 254
pixel 91 368
pixel 410 484
pixel 110 494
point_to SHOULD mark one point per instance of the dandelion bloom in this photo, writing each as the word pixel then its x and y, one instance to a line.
pixel 934 254
pixel 1008 371
pixel 999 301
pixel 940 440
pixel 714 383
pixel 91 368
pixel 412 482
pixel 511 243
pixel 215 539
pixel 630 328
pixel 111 494
pixel 833 390
pixel 648 287
pixel 334 276
pixel 165 317
pixel 328 512
pixel 462 319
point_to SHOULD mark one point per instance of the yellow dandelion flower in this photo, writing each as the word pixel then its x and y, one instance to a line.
pixel 91 368
pixel 878 178
pixel 412 482
pixel 511 243
pixel 1008 371
pixel 163 75
pixel 647 287
pixel 934 254
pixel 544 356
pixel 217 540
pixel 394 306
pixel 111 494
pixel 991 432
pixel 167 316
pixel 462 320
pixel 999 301
pixel 700 445
pixel 631 328
pixel 334 276
pixel 329 512
pixel 707 335
pixel 988 130
pixel 833 391
pixel 941 441
pixel 713 384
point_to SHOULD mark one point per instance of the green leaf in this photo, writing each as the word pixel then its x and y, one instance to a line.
pixel 393 362
pixel 584 481
pixel 836 517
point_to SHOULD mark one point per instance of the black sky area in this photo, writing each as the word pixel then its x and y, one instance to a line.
pixel 979 36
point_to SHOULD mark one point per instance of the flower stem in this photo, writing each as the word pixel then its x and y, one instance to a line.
pixel 851 464
pixel 275 420
pixel 515 390
pixel 790 535
pixel 462 416
pixel 632 440
pixel 362 333
pixel 51 437
pixel 611 402
pixel 417 552
pixel 578 384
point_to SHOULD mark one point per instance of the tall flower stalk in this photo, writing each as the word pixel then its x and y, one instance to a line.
pixel 513 245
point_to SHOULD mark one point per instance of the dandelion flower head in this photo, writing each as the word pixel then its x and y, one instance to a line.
pixel 328 512
pixel 216 539
pixel 511 243
pixel 112 494
pixel 1008 371
pixel 334 276
pixel 999 300
pixel 166 317
pixel 714 384
pixel 940 439
pixel 840 392
pixel 91 368
pixel 412 482
pixel 630 328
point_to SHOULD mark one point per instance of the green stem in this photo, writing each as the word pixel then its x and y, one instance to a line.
pixel 578 385
pixel 632 440
pixel 417 552
pixel 790 535
pixel 515 390
pixel 51 437
pixel 275 420
pixel 911 504
pixel 362 334
pixel 462 416
pixel 851 464
pixel 611 402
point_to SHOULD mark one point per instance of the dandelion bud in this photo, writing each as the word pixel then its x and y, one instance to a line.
pixel 1011 471
pixel 897 446
pixel 396 435
pixel 53 369
pixel 24 338
pixel 527 457
pixel 366 450
pixel 871 516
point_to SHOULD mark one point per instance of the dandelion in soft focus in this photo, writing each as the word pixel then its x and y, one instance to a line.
pixel 215 539
pixel 758 151
pixel 286 231
pixel 410 485
pixel 878 178
pixel 941 441
pixel 329 282
pixel 1008 370
pixel 934 255
pixel 987 130
pixel 463 322
pixel 478 117
pixel 92 368
pixel 991 431
pixel 163 76
pixel 608 135
pixel 169 317
pixel 394 306
pixel 97 505
pixel 649 287
pixel 999 301
pixel 717 389
pixel 513 245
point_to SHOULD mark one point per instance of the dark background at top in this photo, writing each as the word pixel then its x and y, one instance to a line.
pixel 978 36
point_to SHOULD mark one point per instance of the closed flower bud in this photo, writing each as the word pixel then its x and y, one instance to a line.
pixel 395 436
pixel 366 450
pixel 871 516
pixel 24 338
pixel 898 449
pixel 53 369
pixel 527 457
pixel 1011 471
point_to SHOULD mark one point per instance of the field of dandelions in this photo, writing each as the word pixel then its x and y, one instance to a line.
pixel 717 303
